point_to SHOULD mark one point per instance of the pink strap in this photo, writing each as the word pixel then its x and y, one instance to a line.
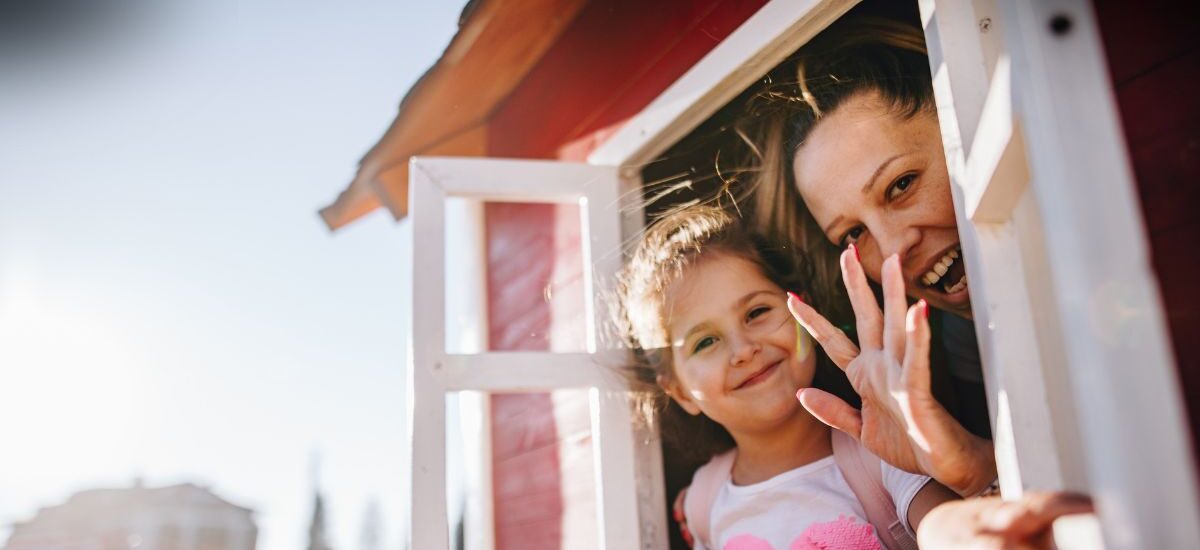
pixel 697 505
pixel 863 473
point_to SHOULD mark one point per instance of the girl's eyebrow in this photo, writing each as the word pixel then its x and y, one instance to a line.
pixel 741 302
pixel 746 299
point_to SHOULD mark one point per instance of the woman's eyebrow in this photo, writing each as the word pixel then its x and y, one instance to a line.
pixel 866 190
pixel 829 228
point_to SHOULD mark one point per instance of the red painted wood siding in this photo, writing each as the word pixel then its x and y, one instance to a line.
pixel 525 468
pixel 614 59
pixel 1153 52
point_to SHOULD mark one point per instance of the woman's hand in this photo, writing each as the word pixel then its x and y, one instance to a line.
pixel 992 523
pixel 900 420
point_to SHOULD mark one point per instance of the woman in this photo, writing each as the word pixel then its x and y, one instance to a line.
pixel 855 162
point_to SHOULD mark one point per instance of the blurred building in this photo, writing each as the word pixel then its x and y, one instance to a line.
pixel 176 517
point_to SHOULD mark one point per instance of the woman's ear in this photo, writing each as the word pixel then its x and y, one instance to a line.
pixel 678 394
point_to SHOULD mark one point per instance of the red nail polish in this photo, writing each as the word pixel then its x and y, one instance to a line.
pixel 856 256
pixel 925 307
pixel 796 296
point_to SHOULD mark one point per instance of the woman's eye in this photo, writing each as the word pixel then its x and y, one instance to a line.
pixel 900 186
pixel 703 344
pixel 852 236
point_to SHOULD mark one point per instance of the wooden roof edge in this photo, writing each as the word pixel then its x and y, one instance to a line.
pixel 356 201
pixel 365 193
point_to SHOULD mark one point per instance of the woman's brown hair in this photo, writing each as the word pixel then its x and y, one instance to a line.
pixel 852 57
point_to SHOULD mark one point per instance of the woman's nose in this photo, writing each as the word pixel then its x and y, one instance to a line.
pixel 896 240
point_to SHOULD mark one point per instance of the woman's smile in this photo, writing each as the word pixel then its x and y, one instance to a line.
pixel 943 273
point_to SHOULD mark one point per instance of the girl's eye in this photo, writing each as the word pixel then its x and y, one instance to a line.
pixel 900 186
pixel 703 344
pixel 757 312
pixel 852 235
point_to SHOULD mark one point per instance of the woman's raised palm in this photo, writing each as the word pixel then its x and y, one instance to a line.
pixel 900 421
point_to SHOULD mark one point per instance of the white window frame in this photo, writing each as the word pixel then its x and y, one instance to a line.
pixel 628 502
pixel 982 142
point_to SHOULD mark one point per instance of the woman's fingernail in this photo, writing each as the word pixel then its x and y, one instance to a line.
pixel 855 250
pixel 796 296
pixel 924 307
pixel 800 392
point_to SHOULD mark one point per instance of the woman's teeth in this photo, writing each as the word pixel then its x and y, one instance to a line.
pixel 941 268
pixel 961 284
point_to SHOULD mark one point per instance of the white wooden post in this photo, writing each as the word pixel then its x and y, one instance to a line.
pixel 984 157
pixel 1139 462
pixel 434 372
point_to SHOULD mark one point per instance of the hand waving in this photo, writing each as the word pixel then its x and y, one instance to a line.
pixel 900 421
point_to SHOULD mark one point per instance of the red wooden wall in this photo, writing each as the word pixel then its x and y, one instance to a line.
pixel 1153 52
pixel 614 58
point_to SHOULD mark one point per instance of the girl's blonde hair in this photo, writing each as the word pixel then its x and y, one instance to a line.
pixel 852 57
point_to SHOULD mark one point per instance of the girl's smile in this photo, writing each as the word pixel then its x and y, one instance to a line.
pixel 760 376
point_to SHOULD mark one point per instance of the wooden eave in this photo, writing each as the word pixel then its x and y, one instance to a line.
pixel 446 111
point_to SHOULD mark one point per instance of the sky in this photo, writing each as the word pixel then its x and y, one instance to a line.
pixel 171 306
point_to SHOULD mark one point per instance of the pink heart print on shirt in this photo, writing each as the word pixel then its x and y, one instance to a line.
pixel 841 534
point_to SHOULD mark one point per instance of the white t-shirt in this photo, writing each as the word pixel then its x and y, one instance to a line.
pixel 806 508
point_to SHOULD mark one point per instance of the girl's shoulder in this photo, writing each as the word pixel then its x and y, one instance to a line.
pixel 698 498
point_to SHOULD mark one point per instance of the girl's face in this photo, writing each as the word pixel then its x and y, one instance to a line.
pixel 738 356
pixel 878 180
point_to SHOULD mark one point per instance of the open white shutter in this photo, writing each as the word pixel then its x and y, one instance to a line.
pixel 627 461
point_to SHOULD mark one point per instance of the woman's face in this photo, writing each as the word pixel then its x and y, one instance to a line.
pixel 877 179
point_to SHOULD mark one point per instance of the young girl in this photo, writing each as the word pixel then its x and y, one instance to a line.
pixel 704 302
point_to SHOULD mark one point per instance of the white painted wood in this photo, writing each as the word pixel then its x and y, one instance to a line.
pixel 467 332
pixel 428 522
pixel 1131 419
pixel 435 372
pixel 996 171
pixel 478 519
pixel 987 180
pixel 501 372
pixel 647 442
pixel 774 32
pixel 1078 532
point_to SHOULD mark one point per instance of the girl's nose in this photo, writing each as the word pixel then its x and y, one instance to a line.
pixel 744 349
